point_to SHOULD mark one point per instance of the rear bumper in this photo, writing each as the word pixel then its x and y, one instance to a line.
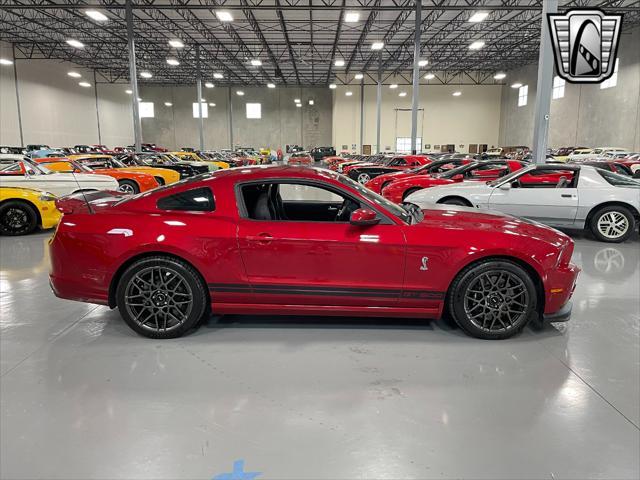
pixel 78 291
pixel 562 315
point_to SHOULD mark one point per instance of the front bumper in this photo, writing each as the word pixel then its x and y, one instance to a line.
pixel 562 315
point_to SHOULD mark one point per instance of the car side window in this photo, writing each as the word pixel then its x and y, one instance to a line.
pixel 194 200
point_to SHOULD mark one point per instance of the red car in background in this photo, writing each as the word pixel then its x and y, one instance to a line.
pixel 169 257
pixel 300 158
pixel 439 166
pixel 104 149
pixel 476 170
pixel 363 172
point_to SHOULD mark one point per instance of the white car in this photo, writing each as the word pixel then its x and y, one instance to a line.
pixel 25 173
pixel 582 155
pixel 583 197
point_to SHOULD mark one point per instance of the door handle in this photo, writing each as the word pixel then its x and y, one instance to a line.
pixel 566 195
pixel 261 238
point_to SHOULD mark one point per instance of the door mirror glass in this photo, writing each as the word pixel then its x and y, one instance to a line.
pixel 363 217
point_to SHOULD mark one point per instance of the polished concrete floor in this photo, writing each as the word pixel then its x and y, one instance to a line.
pixel 296 398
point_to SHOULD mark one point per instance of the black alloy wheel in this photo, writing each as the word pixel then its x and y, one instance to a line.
pixel 17 218
pixel 492 299
pixel 161 297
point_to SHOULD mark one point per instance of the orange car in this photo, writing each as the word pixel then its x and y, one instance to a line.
pixel 129 182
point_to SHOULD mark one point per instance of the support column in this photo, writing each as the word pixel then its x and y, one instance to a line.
pixel 379 103
pixel 544 87
pixel 133 79
pixel 361 115
pixel 230 110
pixel 95 89
pixel 15 81
pixel 416 79
pixel 199 100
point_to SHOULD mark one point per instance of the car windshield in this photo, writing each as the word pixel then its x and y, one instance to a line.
pixel 408 213
pixel 32 167
pixel 458 170
pixel 508 178
pixel 618 180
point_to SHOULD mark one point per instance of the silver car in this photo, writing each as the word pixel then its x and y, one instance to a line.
pixel 579 196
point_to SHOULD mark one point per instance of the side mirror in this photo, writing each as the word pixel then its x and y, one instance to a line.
pixel 363 217
pixel 505 186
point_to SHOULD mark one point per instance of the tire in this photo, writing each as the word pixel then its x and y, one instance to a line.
pixel 148 288
pixel 128 186
pixel 362 178
pixel 455 201
pixel 477 297
pixel 17 218
pixel 409 192
pixel 612 224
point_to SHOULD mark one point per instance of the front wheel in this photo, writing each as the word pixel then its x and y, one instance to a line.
pixel 613 224
pixel 17 218
pixel 161 297
pixel 492 299
pixel 363 178
pixel 128 186
pixel 455 201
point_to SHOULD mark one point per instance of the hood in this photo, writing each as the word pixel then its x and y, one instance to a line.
pixel 468 219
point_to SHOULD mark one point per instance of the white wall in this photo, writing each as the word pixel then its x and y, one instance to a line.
pixel 9 131
pixel 472 118
pixel 587 115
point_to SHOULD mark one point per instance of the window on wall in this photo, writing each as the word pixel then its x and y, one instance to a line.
pixel 523 93
pixel 146 109
pixel 205 110
pixel 612 81
pixel 403 144
pixel 254 110
pixel 558 87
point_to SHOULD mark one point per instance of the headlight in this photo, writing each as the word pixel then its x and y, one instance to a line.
pixel 47 197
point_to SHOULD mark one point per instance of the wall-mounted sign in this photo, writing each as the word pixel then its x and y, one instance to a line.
pixel 436 146
pixel 427 146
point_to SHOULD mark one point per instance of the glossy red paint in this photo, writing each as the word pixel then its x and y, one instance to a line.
pixel 300 160
pixel 298 267
pixel 400 163
pixel 378 183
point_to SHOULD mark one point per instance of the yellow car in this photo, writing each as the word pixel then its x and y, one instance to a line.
pixel 97 162
pixel 194 157
pixel 23 210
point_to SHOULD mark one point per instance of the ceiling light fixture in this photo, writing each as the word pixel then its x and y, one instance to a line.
pixel 75 43
pixel 256 63
pixel 224 16
pixel 218 75
pixel 240 93
pixel 333 86
pixel 173 62
pixel 516 85
pixel 393 86
pixel 377 45
pixel 402 94
pixel 456 94
pixel 423 63
pixel 5 61
pixel 212 104
pixel 71 74
pixel 351 17
pixel 168 104
pixel 271 85
pixel 311 102
pixel 477 45
pixel 176 43
pixel 500 76
pixel 208 85
pixel 84 84
pixel 299 105
pixel 348 93
pixel 146 74
pixel 478 17
pixel 296 100
pixel 429 76
pixel 339 63
pixel 96 15
pixel 358 76
pixel 128 92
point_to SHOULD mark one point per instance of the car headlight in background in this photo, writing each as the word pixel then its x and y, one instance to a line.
pixel 47 197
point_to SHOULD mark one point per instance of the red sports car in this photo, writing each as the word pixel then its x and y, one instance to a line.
pixel 363 172
pixel 485 171
pixel 296 240
pixel 300 158
pixel 440 166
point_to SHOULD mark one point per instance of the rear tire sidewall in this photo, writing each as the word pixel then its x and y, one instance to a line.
pixel 129 183
pixel 32 218
pixel 593 224
pixel 462 282
pixel 200 299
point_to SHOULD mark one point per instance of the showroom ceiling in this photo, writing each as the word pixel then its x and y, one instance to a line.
pixel 297 42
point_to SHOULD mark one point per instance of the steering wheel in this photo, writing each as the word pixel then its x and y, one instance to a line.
pixel 346 208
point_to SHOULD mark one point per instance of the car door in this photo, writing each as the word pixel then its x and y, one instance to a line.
pixel 541 201
pixel 313 260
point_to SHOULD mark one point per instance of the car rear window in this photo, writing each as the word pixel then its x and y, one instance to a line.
pixel 618 180
pixel 194 200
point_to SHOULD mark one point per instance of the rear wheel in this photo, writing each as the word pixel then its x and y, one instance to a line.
pixel 492 299
pixel 161 297
pixel 363 178
pixel 128 186
pixel 17 218
pixel 613 224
